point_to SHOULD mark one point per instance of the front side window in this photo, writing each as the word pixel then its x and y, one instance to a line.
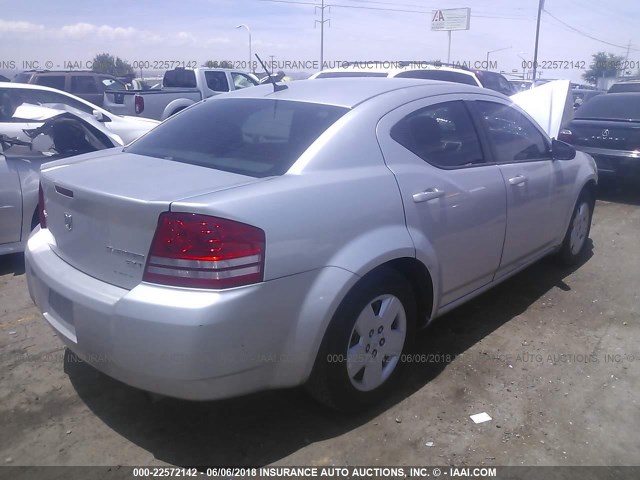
pixel 514 137
pixel 83 84
pixel 441 134
pixel 240 80
pixel 254 137
pixel 53 81
pixel 216 81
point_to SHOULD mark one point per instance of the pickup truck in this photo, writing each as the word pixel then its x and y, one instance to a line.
pixel 180 88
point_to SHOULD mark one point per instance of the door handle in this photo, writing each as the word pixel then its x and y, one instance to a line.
pixel 427 195
pixel 518 180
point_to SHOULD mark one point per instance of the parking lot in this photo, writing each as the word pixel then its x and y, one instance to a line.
pixel 551 355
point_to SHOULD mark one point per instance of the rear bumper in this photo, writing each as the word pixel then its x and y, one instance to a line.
pixel 186 343
pixel 615 162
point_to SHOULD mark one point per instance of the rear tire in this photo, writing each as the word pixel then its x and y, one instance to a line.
pixel 577 236
pixel 363 348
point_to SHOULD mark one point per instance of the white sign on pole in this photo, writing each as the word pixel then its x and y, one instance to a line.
pixel 451 19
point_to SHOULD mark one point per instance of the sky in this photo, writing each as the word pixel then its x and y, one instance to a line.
pixel 74 31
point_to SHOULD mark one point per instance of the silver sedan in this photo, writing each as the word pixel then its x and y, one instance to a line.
pixel 268 239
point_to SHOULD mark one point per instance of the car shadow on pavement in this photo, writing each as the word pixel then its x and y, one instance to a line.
pixel 12 264
pixel 263 428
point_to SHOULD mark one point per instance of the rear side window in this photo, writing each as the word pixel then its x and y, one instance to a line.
pixel 441 134
pixel 53 81
pixel 513 136
pixel 442 75
pixel 254 137
pixel 83 84
pixel 217 81
pixel 22 77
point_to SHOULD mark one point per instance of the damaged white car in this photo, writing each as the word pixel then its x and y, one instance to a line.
pixel 57 134
pixel 16 95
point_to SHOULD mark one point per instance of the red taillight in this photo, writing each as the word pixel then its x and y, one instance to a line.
pixel 42 211
pixel 139 104
pixel 565 135
pixel 190 250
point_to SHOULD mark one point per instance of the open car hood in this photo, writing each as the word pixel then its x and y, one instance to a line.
pixel 551 105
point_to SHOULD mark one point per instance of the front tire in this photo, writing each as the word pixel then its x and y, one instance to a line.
pixel 577 236
pixel 363 347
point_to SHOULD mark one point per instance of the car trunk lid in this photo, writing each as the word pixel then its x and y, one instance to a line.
pixel 103 223
pixel 612 135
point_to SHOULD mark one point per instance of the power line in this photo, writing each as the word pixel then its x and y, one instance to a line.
pixel 399 10
pixel 584 34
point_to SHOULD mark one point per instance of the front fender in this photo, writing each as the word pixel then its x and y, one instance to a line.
pixel 587 172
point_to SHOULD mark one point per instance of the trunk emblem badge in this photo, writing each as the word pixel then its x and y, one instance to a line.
pixel 605 132
pixel 68 221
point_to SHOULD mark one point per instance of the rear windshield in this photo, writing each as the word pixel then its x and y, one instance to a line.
pixel 611 106
pixel 624 87
pixel 179 78
pixel 364 73
pixel 443 75
pixel 255 137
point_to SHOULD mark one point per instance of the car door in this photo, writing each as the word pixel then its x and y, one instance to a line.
pixel 523 154
pixel 217 82
pixel 454 201
pixel 10 202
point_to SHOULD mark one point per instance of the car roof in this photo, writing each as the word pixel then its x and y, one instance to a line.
pixel 394 71
pixel 349 92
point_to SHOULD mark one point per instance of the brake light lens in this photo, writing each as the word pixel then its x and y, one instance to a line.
pixel 139 104
pixel 565 135
pixel 42 211
pixel 201 251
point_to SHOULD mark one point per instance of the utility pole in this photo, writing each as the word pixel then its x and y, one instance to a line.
pixel 322 21
pixel 535 51
pixel 626 59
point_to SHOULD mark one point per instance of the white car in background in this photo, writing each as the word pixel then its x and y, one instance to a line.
pixel 14 95
pixel 479 78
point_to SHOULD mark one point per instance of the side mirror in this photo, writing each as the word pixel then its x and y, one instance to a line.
pixel 562 151
pixel 98 115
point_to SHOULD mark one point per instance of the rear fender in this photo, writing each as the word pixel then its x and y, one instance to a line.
pixel 177 104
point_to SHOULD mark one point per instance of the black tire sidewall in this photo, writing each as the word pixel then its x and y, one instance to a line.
pixel 568 257
pixel 339 392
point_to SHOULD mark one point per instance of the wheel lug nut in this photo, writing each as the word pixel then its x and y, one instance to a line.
pixel 367 348
pixel 380 329
pixel 381 341
pixel 374 353
pixel 371 332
